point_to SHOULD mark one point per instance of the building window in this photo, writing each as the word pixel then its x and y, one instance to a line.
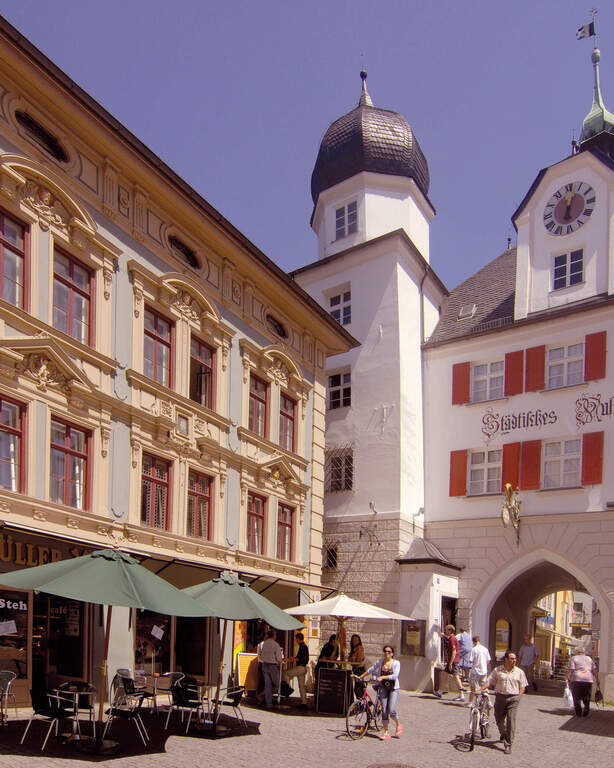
pixel 199 506
pixel 562 463
pixel 346 220
pixel 11 432
pixel 72 289
pixel 201 373
pixel 285 521
pixel 341 307
pixel 339 390
pixel 568 269
pixel 258 397
pixel 487 381
pixel 330 557
pixel 287 411
pixel 158 345
pixel 339 470
pixel 565 366
pixel 485 472
pixel 255 524
pixel 68 465
pixel 154 492
pixel 12 259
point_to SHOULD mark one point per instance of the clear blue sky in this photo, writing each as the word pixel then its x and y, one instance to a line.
pixel 236 95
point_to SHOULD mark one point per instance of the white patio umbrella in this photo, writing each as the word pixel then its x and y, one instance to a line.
pixel 343 607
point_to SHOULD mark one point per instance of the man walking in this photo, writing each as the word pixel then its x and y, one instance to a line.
pixel 528 655
pixel 270 656
pixel 509 682
pixel 299 670
pixel 479 659
pixel 452 659
pixel 465 647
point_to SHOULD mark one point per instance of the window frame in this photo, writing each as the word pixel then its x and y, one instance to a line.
pixel 564 361
pixel 569 276
pixel 484 466
pixel 20 433
pixel 345 471
pixel 68 451
pixel 283 527
pixel 560 458
pixel 256 399
pixel 488 378
pixel 25 255
pixel 346 220
pixel 342 303
pixel 287 418
pixel 200 495
pixel 72 289
pixel 195 360
pixel 252 515
pixel 344 390
pixel 157 339
pixel 150 522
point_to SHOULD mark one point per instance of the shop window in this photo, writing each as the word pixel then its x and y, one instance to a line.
pixel 487 381
pixel 565 365
pixel 13 243
pixel 154 492
pixel 11 435
pixel 157 349
pixel 72 291
pixel 191 645
pixel 339 470
pixel 58 640
pixel 339 390
pixel 152 649
pixel 567 269
pixel 255 524
pixel 285 523
pixel 14 636
pixel 485 472
pixel 562 463
pixel 69 455
pixel 258 399
pixel 346 220
pixel 341 307
pixel 199 506
pixel 287 413
pixel 202 359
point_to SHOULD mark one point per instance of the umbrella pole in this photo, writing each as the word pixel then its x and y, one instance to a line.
pixel 103 670
pixel 220 673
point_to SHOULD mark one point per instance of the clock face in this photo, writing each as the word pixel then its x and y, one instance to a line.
pixel 569 208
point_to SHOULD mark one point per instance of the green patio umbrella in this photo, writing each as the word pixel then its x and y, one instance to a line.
pixel 231 599
pixel 109 577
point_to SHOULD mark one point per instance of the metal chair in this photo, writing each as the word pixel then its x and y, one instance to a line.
pixel 165 683
pixel 82 695
pixel 232 698
pixel 49 707
pixel 127 702
pixel 185 698
pixel 6 681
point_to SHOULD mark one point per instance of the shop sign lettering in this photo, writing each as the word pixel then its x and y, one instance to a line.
pixel 24 553
pixel 591 409
pixel 504 423
pixel 13 605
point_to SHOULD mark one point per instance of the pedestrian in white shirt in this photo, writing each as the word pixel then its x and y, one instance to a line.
pixel 270 656
pixel 479 659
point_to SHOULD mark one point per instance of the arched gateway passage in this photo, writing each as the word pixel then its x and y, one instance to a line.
pixel 513 592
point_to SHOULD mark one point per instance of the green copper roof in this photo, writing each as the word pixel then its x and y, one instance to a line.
pixel 598 120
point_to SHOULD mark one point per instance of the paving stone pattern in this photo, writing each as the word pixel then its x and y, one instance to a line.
pixel 548 735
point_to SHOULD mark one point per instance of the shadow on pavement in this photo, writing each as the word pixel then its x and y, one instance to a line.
pixel 599 723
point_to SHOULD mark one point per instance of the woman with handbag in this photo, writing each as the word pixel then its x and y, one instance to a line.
pixel 386 671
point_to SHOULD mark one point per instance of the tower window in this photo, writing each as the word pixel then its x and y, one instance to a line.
pixel 346 220
pixel 568 269
pixel 339 390
pixel 341 307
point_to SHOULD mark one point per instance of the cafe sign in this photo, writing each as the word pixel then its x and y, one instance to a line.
pixel 16 551
pixel 506 423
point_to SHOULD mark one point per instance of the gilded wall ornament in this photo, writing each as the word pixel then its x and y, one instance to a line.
pixel 43 371
pixel 49 209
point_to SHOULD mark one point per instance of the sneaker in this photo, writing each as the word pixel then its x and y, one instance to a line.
pixel 438 694
pixel 399 731
pixel 460 698
pixel 384 736
pixel 508 749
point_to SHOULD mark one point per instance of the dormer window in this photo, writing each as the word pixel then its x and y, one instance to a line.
pixel 41 136
pixel 346 220
pixel 183 251
pixel 568 269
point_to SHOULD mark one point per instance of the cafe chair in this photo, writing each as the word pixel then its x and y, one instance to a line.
pixel 127 690
pixel 81 695
pixel 128 708
pixel 232 698
pixel 6 681
pixel 185 698
pixel 50 707
pixel 165 683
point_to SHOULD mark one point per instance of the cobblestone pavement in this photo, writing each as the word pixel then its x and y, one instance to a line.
pixel 547 735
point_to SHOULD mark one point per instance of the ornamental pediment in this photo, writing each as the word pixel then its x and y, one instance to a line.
pixel 278 471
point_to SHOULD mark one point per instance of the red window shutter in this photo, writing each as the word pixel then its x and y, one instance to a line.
pixel 592 458
pixel 535 372
pixel 461 373
pixel 594 356
pixel 514 369
pixel 458 473
pixel 510 470
pixel 530 465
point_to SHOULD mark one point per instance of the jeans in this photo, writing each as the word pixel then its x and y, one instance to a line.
pixel 389 704
pixel 505 715
pixel 271 682
pixel 581 692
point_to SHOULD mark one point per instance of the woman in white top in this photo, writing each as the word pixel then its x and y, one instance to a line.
pixel 387 669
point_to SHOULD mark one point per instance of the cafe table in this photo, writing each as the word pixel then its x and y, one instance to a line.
pixel 71 694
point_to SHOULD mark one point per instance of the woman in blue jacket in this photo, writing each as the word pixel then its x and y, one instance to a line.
pixel 387 668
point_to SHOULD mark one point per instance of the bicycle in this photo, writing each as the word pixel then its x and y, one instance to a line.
pixel 364 713
pixel 478 717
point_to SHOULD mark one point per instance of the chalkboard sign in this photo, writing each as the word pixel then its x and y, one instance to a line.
pixel 333 691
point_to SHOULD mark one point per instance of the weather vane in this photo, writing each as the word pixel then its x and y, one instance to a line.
pixel 510 512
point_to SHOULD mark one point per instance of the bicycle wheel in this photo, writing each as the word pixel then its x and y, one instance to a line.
pixel 357 720
pixel 376 712
pixel 475 724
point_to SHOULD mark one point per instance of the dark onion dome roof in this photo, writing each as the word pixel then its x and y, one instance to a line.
pixel 368 139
